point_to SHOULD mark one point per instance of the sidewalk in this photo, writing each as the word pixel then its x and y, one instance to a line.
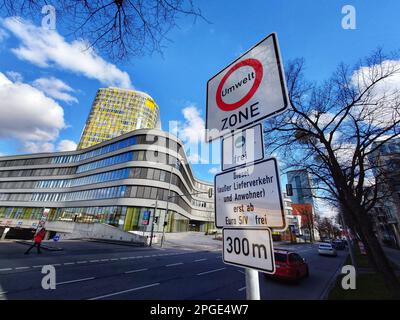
pixel 192 240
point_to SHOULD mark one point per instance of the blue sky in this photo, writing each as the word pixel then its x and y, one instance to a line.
pixel 196 51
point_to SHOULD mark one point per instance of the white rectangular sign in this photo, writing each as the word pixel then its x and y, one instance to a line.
pixel 251 248
pixel 250 89
pixel 244 146
pixel 249 197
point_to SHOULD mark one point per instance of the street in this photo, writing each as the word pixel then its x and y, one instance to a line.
pixel 92 270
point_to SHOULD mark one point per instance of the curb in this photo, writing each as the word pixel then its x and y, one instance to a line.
pixel 332 281
pixel 117 242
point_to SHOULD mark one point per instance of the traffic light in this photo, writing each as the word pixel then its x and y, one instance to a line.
pixel 289 190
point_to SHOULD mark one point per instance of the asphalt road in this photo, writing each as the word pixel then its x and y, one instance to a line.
pixel 89 270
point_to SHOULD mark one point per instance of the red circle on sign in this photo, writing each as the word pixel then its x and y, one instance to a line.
pixel 258 68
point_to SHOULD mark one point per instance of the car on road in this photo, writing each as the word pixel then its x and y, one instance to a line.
pixel 289 265
pixel 339 244
pixel 327 249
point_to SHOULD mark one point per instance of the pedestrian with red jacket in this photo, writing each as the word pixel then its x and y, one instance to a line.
pixel 37 240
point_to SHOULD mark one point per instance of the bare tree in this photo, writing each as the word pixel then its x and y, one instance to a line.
pixel 326 227
pixel 333 130
pixel 118 28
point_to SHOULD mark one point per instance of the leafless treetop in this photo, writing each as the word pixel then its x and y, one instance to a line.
pixel 118 28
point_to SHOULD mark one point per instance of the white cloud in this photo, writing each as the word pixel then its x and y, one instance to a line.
pixel 193 130
pixel 3 35
pixel 37 146
pixel 15 76
pixel 28 115
pixel 382 108
pixel 193 157
pixel 55 88
pixel 213 170
pixel 48 146
pixel 45 48
pixel 66 145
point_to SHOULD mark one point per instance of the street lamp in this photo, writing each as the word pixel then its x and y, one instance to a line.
pixel 153 221
pixel 166 212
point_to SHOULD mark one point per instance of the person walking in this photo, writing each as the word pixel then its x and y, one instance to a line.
pixel 37 240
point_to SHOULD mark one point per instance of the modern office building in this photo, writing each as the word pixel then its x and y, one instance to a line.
pixel 123 182
pixel 117 111
pixel 386 213
pixel 301 185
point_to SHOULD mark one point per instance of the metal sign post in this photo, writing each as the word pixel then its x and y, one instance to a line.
pixel 248 199
pixel 252 284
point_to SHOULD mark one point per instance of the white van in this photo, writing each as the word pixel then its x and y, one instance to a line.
pixel 327 249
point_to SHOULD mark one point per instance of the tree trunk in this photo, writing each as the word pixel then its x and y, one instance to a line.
pixel 376 254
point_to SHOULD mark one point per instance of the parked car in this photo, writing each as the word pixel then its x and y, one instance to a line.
pixel 289 265
pixel 339 244
pixel 327 249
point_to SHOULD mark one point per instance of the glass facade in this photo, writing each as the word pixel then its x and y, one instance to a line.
pixel 117 111
pixel 148 173
pixel 106 162
pixel 126 218
pixel 37 172
pixel 92 194
pixel 95 178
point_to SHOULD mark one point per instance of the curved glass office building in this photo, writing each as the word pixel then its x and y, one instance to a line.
pixel 116 111
pixel 117 182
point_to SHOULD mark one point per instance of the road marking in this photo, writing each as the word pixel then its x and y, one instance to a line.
pixel 241 289
pixel 37 266
pixel 211 271
pixel 240 271
pixel 125 291
pixel 21 268
pixel 124 258
pixel 114 259
pixel 94 260
pixel 104 260
pixel 137 270
pixel 68 263
pixel 4 292
pixel 174 264
pixel 56 265
pixel 73 281
pixel 82 261
pixel 198 260
pixel 6 269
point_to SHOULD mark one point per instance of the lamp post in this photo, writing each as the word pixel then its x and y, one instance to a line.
pixel 152 223
pixel 166 212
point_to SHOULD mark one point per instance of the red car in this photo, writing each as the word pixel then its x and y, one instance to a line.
pixel 289 265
